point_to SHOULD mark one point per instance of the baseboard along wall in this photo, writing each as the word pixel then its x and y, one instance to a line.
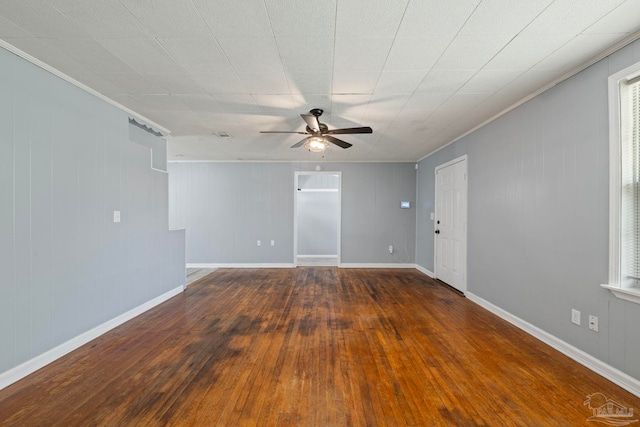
pixel 614 375
pixel 15 374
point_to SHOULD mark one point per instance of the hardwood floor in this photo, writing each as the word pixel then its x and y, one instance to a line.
pixel 311 347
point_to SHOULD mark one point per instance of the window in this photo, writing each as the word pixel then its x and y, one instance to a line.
pixel 624 189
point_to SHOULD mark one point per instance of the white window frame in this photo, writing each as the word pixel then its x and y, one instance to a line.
pixel 617 283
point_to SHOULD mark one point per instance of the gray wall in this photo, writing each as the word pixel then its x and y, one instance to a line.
pixel 226 207
pixel 538 214
pixel 66 163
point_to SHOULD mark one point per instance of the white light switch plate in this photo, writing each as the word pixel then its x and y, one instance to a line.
pixel 575 316
pixel 116 216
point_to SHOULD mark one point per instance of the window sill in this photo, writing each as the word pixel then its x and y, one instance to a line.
pixel 627 294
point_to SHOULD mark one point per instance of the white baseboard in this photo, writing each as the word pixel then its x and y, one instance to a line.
pixel 12 375
pixel 318 256
pixel 423 270
pixel 317 261
pixel 287 265
pixel 201 265
pixel 376 265
pixel 614 375
pixel 240 265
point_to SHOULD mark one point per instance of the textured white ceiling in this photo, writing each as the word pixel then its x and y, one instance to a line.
pixel 419 72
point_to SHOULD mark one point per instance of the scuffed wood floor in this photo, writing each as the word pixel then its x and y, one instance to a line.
pixel 311 347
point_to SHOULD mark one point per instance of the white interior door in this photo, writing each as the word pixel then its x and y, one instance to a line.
pixel 451 223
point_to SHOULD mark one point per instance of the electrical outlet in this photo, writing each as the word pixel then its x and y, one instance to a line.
pixel 273 243
pixel 390 249
pixel 258 243
pixel 575 316
pixel 593 323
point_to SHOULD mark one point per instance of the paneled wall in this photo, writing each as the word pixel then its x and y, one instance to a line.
pixel 538 214
pixel 227 207
pixel 66 163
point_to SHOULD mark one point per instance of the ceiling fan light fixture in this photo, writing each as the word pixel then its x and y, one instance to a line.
pixel 321 135
pixel 316 144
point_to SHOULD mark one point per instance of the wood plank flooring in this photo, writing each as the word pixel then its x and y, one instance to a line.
pixel 311 347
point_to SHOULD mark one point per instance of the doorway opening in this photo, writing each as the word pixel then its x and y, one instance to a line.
pixel 317 214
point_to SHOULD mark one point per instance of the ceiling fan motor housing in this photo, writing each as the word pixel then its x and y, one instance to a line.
pixel 323 128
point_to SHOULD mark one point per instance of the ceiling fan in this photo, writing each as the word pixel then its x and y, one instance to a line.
pixel 321 135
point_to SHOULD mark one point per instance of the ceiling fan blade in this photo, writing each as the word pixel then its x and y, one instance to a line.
pixel 299 144
pixel 283 131
pixel 364 129
pixel 312 122
pixel 338 142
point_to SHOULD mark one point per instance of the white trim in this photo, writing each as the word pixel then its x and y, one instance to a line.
pixel 318 190
pixel 614 375
pixel 339 243
pixel 287 265
pixel 615 178
pixel 425 271
pixel 615 282
pixel 295 219
pixel 15 374
pixel 616 47
pixel 376 265
pixel 450 162
pixel 79 85
pixel 240 265
pixel 184 230
pixel 201 265
pixel 290 161
pixel 316 256
pixel 628 294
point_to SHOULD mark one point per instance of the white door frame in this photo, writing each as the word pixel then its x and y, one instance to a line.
pixel 295 211
pixel 462 158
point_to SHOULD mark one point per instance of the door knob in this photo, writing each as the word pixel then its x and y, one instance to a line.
pixel 437 231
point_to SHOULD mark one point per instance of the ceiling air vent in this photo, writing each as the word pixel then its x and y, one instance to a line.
pixel 222 134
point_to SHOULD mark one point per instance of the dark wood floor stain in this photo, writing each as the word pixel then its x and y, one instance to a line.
pixel 311 347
